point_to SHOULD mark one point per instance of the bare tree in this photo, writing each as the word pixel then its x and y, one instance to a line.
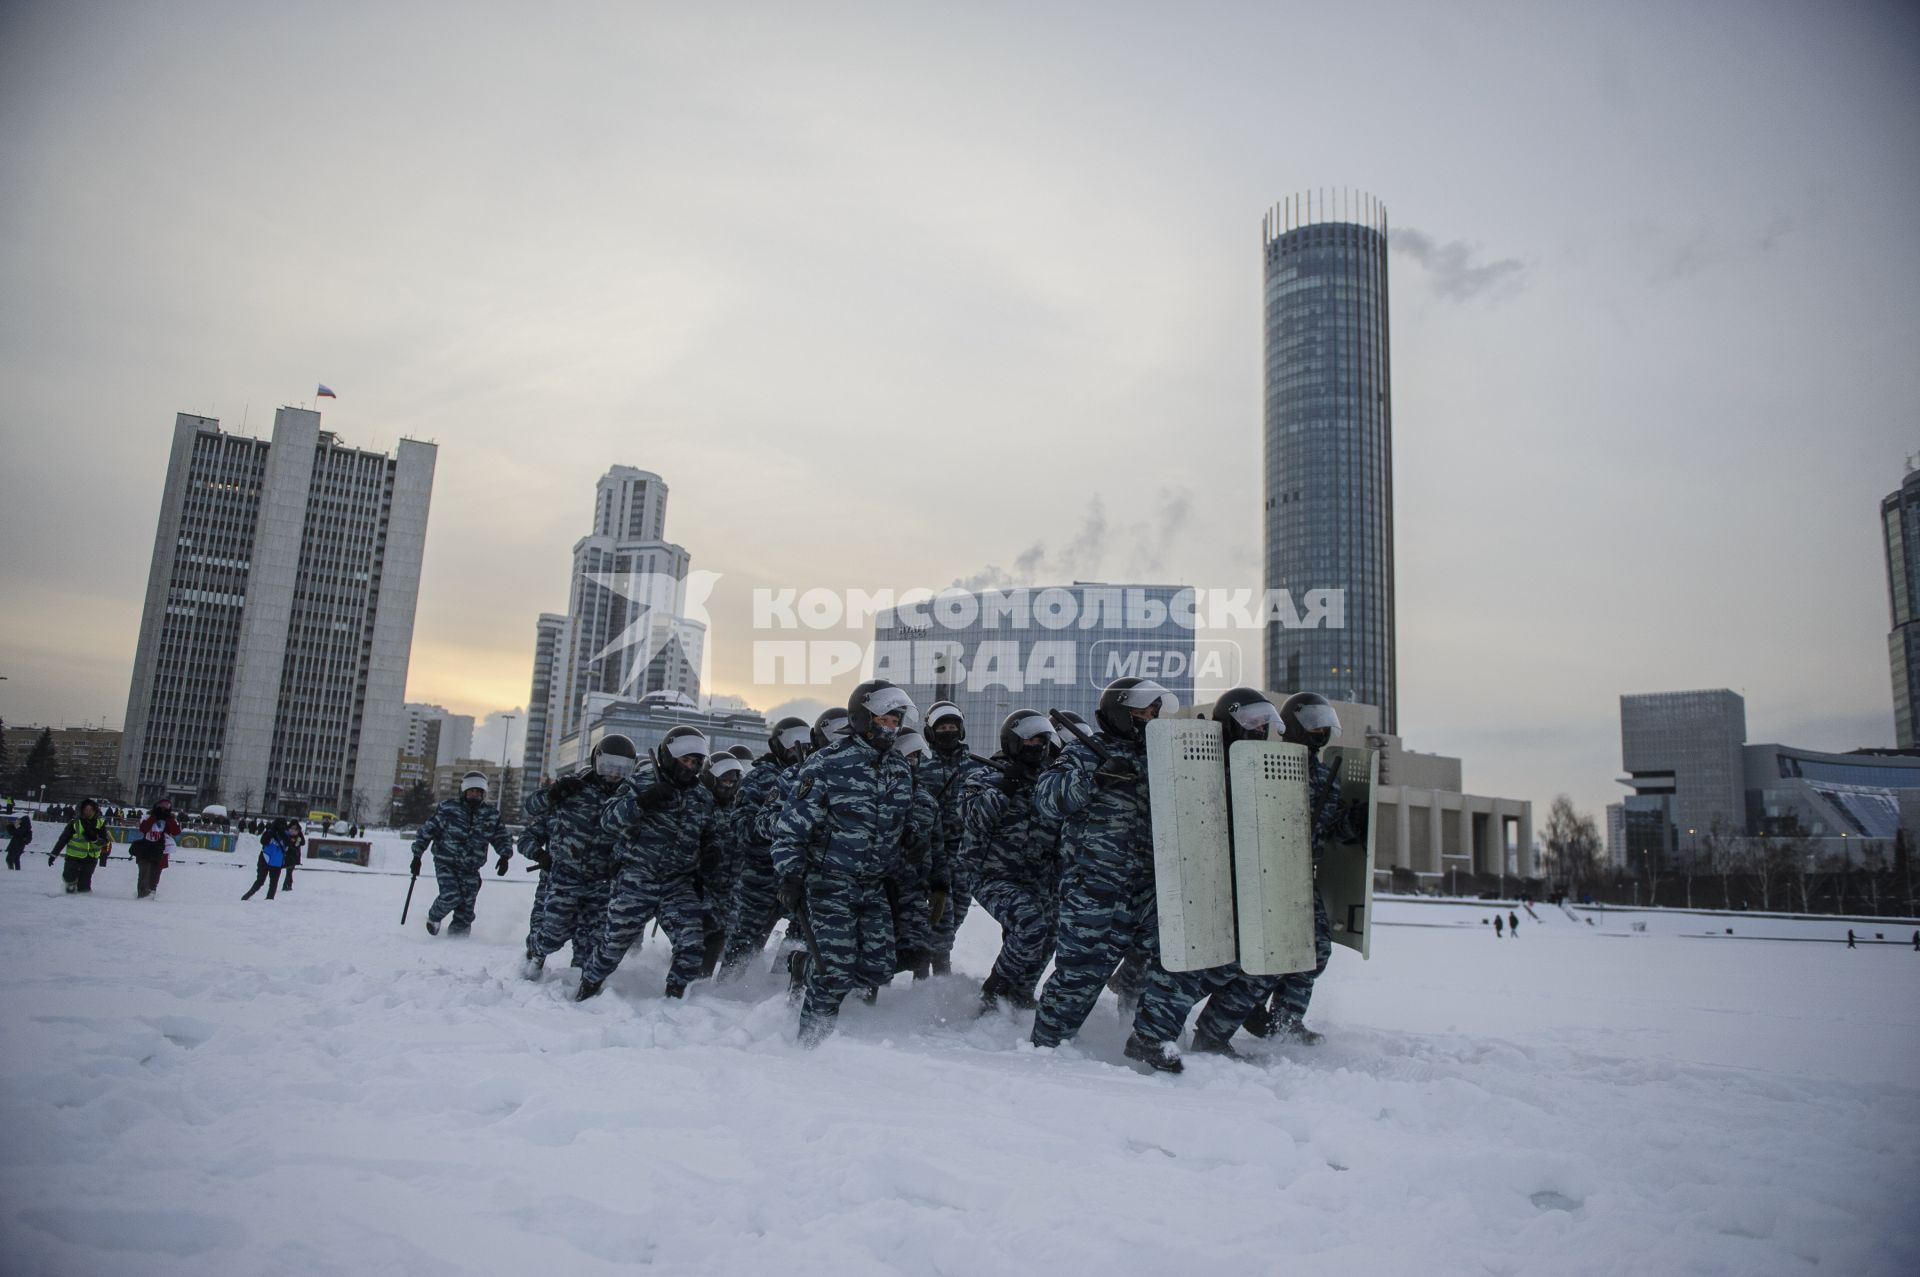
pixel 1724 849
pixel 1573 845
pixel 1768 865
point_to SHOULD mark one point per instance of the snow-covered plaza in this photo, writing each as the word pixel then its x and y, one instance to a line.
pixel 194 1085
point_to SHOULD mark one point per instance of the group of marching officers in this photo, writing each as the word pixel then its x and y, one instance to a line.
pixel 871 831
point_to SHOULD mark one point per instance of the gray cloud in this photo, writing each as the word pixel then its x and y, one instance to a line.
pixel 1452 268
pixel 1679 255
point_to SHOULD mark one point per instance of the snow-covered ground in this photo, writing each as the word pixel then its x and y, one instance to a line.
pixel 194 1085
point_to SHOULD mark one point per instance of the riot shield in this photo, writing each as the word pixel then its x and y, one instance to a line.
pixel 1272 856
pixel 1346 872
pixel 1192 858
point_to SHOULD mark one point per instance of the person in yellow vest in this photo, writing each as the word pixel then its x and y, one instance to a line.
pixel 86 843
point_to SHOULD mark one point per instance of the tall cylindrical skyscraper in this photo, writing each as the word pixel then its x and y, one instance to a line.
pixel 1329 447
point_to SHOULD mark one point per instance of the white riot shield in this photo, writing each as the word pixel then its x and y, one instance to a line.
pixel 1346 872
pixel 1272 856
pixel 1192 858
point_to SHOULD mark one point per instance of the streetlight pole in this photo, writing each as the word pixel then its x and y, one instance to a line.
pixel 506 737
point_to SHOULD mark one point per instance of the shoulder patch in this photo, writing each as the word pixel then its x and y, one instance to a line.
pixel 804 788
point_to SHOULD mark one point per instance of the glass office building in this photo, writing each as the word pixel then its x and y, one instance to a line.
pixel 1900 523
pixel 1329 444
pixel 1040 647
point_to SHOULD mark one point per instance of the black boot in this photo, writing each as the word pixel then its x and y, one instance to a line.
pixel 676 989
pixel 941 963
pixel 1161 1057
pixel 587 989
pixel 1205 1043
pixel 1289 1026
pixel 433 928
pixel 992 990
pixel 533 966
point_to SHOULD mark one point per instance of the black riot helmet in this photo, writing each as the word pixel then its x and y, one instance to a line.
pixel 1309 719
pixel 912 746
pixel 946 727
pixel 790 740
pixel 681 754
pixel 1025 734
pixel 1062 737
pixel 1244 714
pixel 830 728
pixel 872 701
pixel 723 773
pixel 742 752
pixel 613 758
pixel 1125 696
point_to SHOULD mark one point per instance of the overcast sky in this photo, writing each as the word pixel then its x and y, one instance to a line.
pixel 892 293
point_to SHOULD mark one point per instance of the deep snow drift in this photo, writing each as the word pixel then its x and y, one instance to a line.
pixel 194 1085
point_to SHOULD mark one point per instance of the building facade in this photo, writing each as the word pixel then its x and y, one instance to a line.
pixel 1053 647
pixel 625 633
pixel 1682 752
pixel 272 660
pixel 503 783
pixel 1329 445
pixel 86 760
pixel 1848 804
pixel 436 735
pixel 647 721
pixel 1900 530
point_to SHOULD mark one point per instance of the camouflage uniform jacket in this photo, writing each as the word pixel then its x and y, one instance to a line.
pixel 850 808
pixel 1011 840
pixel 680 839
pixel 1104 827
pixel 944 775
pixel 574 833
pixel 460 833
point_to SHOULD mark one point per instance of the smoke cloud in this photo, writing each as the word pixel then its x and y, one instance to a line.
pixel 1452 268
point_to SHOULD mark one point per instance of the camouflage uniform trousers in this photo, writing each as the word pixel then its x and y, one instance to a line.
pixel 573 910
pixel 959 897
pixel 459 891
pixel 1102 916
pixel 637 900
pixel 853 930
pixel 752 911
pixel 1168 996
pixel 1029 919
pixel 912 918
pixel 1296 990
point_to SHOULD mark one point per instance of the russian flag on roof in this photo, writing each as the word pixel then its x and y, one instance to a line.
pixel 326 392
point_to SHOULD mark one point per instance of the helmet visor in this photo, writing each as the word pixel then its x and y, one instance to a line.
pixel 795 736
pixel 945 709
pixel 725 765
pixel 882 701
pixel 1147 693
pixel 690 745
pixel 1030 727
pixel 612 766
pixel 911 744
pixel 1318 718
pixel 1259 718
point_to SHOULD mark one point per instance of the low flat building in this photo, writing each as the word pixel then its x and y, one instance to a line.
pixel 1848 804
pixel 87 759
pixel 647 721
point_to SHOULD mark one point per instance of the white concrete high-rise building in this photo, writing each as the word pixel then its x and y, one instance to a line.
pixel 437 736
pixel 272 662
pixel 624 633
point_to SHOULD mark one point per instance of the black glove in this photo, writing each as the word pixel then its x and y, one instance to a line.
pixel 939 882
pixel 912 839
pixel 793 894
pixel 1016 781
pixel 1357 819
pixel 49 860
pixel 566 787
pixel 416 864
pixel 657 795
pixel 501 868
pixel 1115 770
pixel 539 856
